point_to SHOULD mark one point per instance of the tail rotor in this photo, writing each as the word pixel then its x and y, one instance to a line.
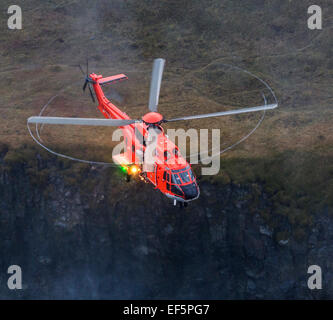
pixel 88 81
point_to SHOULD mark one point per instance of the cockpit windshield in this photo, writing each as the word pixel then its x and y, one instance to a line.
pixel 185 176
pixel 176 179
pixel 182 176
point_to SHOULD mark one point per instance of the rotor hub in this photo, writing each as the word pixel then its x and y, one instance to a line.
pixel 152 118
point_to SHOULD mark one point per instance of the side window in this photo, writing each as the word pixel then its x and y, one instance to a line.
pixel 175 152
pixel 166 155
pixel 167 178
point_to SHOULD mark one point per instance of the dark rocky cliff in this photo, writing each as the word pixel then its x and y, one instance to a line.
pixel 108 239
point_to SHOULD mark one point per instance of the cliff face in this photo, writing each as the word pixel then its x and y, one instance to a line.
pixel 106 238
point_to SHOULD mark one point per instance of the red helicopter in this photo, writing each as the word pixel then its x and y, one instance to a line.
pixel 147 150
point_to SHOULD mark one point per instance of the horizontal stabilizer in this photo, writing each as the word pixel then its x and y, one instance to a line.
pixel 116 78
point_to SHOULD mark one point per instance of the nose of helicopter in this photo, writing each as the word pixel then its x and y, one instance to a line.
pixel 191 191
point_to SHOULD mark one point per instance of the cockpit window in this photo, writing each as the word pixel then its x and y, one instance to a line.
pixel 176 179
pixel 177 190
pixel 192 175
pixel 166 176
pixel 180 170
pixel 175 152
pixel 166 155
pixel 185 176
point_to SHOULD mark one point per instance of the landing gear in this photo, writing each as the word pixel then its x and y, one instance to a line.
pixel 180 203
pixel 128 178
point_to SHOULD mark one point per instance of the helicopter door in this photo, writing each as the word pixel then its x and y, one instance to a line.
pixel 152 175
pixel 155 173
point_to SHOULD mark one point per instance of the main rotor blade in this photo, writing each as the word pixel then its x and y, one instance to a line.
pixel 226 113
pixel 155 85
pixel 82 121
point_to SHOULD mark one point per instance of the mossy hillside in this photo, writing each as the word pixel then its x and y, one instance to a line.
pixel 43 171
pixel 294 194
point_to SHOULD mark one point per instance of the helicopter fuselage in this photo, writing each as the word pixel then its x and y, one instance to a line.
pixel 168 171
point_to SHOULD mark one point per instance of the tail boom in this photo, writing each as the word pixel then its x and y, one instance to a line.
pixel 108 109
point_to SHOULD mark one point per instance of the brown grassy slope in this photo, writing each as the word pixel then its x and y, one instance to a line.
pixel 269 38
